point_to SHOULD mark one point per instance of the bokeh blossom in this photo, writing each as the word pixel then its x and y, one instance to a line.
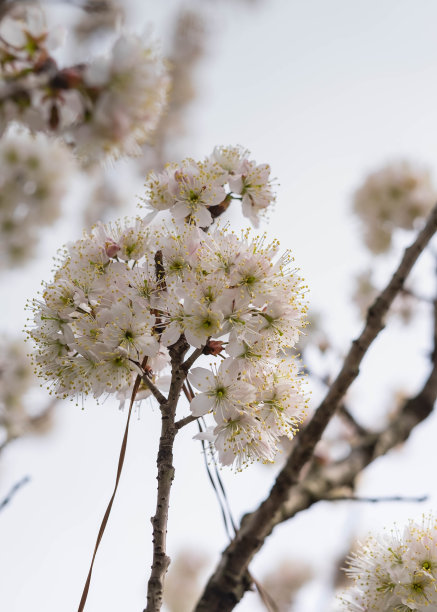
pixel 109 106
pixel 396 196
pixel 34 176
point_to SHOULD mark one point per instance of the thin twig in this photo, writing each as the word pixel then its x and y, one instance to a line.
pixel 346 414
pixel 377 500
pixel 192 358
pixel 153 389
pixel 185 421
pixel 17 486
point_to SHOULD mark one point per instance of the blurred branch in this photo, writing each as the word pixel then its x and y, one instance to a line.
pixel 229 582
pixel 321 480
pixel 6 500
pixel 376 500
pixel 349 418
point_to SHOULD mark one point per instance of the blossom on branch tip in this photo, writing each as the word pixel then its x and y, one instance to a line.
pixel 198 192
pixel 127 292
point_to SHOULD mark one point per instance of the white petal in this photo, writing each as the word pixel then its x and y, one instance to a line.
pixel 202 378
pixel 171 334
pixel 201 404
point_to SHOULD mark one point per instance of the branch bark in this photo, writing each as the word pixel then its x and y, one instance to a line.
pixel 230 580
pixel 166 472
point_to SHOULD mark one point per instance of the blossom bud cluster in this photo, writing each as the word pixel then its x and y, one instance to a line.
pixel 126 292
pixel 34 172
pixel 396 571
pixel 198 192
pixel 109 106
pixel 395 196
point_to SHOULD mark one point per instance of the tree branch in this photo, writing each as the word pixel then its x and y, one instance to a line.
pixel 192 358
pixel 153 389
pixel 165 478
pixel 227 585
pixel 321 480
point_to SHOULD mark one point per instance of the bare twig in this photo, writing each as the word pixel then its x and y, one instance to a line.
pixel 185 421
pixel 346 414
pixel 192 358
pixel 153 389
pixel 227 585
pixel 17 486
pixel 378 500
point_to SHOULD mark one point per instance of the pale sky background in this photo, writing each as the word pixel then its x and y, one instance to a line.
pixel 324 92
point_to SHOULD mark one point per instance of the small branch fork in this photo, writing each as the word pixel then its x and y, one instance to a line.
pixel 230 580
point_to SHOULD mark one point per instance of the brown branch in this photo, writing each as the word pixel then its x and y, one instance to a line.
pixel 349 418
pixel 192 358
pixel 185 421
pixel 165 478
pixel 227 585
pixel 320 481
pixel 153 389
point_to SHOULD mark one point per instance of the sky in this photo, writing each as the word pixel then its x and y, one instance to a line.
pixel 324 92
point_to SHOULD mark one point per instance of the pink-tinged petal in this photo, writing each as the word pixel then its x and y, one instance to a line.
pixel 203 216
pixel 202 378
pixel 201 404
pixel 236 184
pixel 180 210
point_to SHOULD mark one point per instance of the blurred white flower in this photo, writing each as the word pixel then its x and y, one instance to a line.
pixel 34 173
pixel 396 571
pixel 396 196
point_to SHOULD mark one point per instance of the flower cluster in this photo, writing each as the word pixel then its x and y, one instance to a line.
pixel 200 191
pixel 393 197
pixel 396 572
pixel 127 93
pixel 34 173
pixel 126 292
pixel 109 106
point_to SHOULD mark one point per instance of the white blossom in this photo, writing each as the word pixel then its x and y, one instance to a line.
pixel 128 291
pixel 192 190
pixel 34 173
pixel 395 571
pixel 132 87
pixel 396 196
